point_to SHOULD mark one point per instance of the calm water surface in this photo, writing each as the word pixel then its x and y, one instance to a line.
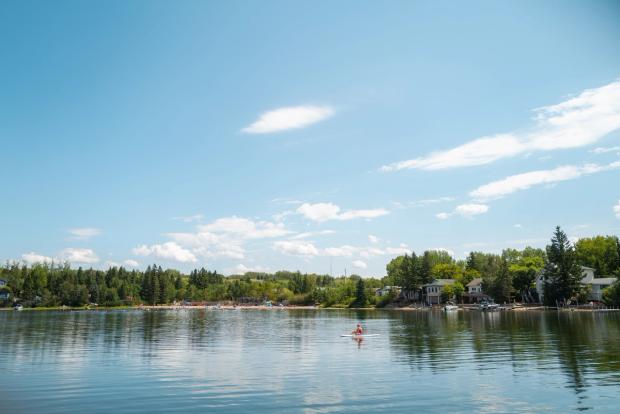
pixel 295 361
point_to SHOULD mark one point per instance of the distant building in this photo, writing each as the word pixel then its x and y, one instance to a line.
pixel 2 282
pixel 4 295
pixel 597 284
pixel 386 290
pixel 474 292
pixel 432 291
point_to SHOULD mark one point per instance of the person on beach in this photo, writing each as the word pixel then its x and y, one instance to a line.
pixel 358 330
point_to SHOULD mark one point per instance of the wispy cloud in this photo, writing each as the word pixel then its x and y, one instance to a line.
pixel 519 182
pixel 603 150
pixel 373 239
pixel 327 211
pixel 422 203
pixel 189 219
pixel 83 233
pixel 308 249
pixel 292 117
pixel 617 209
pixel 574 123
pixel 465 210
pixel 309 234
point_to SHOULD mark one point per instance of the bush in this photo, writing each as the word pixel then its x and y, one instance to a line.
pixel 611 295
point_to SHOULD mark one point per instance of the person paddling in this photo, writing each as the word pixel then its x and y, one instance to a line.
pixel 358 330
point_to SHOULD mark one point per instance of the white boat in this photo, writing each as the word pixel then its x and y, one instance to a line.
pixel 449 307
pixel 18 307
pixel 485 305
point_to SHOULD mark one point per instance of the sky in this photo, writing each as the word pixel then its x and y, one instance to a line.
pixel 320 136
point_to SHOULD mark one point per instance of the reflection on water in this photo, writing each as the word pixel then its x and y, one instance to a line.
pixel 283 361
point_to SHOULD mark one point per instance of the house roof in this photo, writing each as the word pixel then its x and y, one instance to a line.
pixel 475 282
pixel 440 282
pixel 603 280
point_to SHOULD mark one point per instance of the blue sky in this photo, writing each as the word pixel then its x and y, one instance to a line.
pixel 288 135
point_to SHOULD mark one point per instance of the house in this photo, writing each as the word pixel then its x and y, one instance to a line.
pixel 475 286
pixel 474 292
pixel 432 291
pixel 597 284
pixel 386 290
pixel 4 295
pixel 2 282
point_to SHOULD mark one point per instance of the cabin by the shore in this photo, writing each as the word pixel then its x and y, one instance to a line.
pixel 431 292
pixel 597 285
pixel 474 292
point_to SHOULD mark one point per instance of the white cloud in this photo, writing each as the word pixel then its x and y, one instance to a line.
pixel 226 237
pixel 465 210
pixel 359 264
pixel 373 239
pixel 245 228
pixel 308 234
pixel 320 212
pixel 603 150
pixel 84 233
pixel 291 117
pixel 518 182
pixel 33 257
pixel 296 248
pixel 517 226
pixel 470 210
pixel 124 263
pixel 79 255
pixel 167 251
pixel 402 249
pixel 574 123
pixel 189 219
pixel 342 251
pixel 617 209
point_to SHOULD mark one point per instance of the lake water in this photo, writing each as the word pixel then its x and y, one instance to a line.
pixel 282 361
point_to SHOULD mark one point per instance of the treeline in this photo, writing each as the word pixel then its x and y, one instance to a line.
pixel 48 285
pixel 511 275
pixel 505 277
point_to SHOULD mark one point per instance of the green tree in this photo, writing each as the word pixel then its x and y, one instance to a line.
pixel 601 253
pixel 361 300
pixel 562 273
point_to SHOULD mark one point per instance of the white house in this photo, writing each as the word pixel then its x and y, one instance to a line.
pixel 475 286
pixel 432 291
pixel 597 284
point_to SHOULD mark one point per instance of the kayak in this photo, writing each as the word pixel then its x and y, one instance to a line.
pixel 358 336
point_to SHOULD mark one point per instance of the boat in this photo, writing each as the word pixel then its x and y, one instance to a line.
pixel 18 307
pixel 485 305
pixel 449 307
pixel 358 336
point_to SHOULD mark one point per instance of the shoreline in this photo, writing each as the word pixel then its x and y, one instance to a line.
pixel 300 307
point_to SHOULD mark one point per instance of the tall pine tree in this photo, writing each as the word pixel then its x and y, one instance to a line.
pixel 562 273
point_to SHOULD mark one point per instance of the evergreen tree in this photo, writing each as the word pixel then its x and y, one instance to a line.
pixel 562 273
pixel 361 300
